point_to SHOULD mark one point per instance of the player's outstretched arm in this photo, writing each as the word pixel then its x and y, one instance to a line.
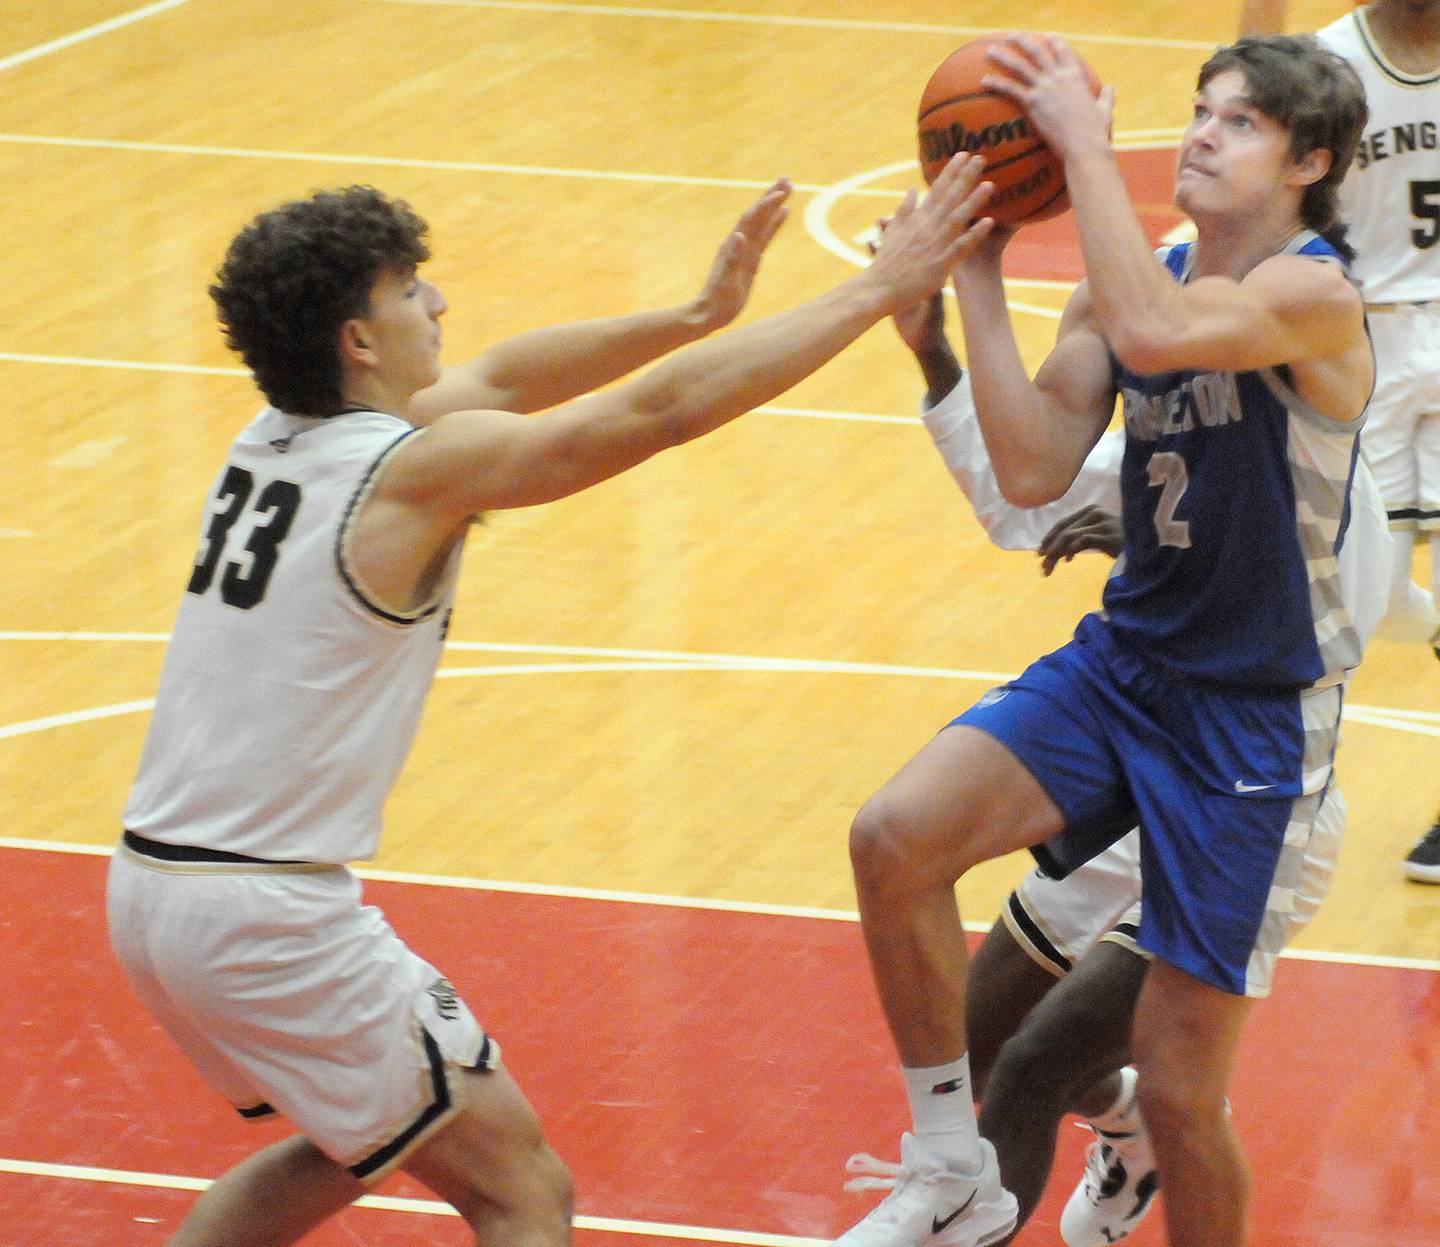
pixel 922 329
pixel 548 366
pixel 469 462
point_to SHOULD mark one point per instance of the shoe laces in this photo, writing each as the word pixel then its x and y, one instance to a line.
pixel 899 1179
pixel 876 1175
pixel 1099 1160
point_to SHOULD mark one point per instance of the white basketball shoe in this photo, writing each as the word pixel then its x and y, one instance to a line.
pixel 929 1205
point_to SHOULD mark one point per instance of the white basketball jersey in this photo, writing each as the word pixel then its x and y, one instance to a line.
pixel 1391 197
pixel 288 700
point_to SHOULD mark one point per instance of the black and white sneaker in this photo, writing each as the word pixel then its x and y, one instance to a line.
pixel 1116 1192
pixel 1423 862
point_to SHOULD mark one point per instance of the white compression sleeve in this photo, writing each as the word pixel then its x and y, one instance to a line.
pixel 955 429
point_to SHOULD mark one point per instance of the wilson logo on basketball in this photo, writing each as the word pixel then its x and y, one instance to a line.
pixel 941 144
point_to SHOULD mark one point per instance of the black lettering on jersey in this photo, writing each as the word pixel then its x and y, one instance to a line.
pixel 245 578
pixel 234 489
pixel 1398 140
pixel 1425 205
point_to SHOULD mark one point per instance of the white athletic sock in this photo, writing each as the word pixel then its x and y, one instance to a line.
pixel 1124 1115
pixel 942 1108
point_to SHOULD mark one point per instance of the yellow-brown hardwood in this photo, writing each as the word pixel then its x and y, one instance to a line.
pixel 571 164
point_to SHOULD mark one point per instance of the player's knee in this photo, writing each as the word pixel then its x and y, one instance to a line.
pixel 1173 1103
pixel 1029 1063
pixel 557 1201
pixel 536 1211
pixel 888 849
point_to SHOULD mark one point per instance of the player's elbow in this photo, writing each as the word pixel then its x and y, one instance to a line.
pixel 665 416
pixel 1030 487
pixel 1142 345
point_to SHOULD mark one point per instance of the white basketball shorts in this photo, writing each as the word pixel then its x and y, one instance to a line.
pixel 1401 436
pixel 291 996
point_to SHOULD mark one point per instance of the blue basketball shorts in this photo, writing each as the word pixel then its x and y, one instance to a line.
pixel 1224 783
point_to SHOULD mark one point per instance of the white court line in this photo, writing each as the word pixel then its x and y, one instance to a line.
pixel 31 726
pixel 661 900
pixel 1122 143
pixel 404 162
pixel 564 892
pixel 90 32
pixel 809 23
pixel 133 365
pixel 649 660
pixel 430 1207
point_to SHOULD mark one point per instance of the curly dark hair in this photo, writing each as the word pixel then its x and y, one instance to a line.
pixel 1314 94
pixel 293 276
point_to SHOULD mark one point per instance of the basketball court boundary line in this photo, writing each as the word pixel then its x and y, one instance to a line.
pixel 416 162
pixel 390 1203
pixel 1143 140
pixel 660 900
pixel 135 365
pixel 89 32
pixel 806 23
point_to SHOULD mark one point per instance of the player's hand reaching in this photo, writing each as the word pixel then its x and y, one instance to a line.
pixel 1090 528
pixel 925 239
pixel 921 326
pixel 727 288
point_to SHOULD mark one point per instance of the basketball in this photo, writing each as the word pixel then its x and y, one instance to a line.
pixel 958 115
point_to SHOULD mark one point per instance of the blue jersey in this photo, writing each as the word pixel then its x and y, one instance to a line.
pixel 1235 501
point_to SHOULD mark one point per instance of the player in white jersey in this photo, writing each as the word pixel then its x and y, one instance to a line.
pixel 1245 369
pixel 1392 201
pixel 304 648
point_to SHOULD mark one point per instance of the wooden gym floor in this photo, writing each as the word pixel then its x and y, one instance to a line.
pixel 664 699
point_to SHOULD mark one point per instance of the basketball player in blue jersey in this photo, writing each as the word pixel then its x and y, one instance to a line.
pixel 1051 990
pixel 305 645
pixel 1203 702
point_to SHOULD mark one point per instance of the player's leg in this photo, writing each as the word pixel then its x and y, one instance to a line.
pixel 489 1162
pixel 1046 927
pixel 492 1164
pixel 1422 863
pixel 1186 1035
pixel 962 799
pixel 1064 1058
pixel 1393 443
pixel 1004 983
pixel 270 1200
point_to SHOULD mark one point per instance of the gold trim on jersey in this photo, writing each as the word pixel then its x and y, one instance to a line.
pixel 1393 72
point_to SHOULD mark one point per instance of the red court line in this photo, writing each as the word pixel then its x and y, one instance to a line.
pixel 695 1067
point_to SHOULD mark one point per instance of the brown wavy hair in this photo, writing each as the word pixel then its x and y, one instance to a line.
pixel 294 275
pixel 1315 95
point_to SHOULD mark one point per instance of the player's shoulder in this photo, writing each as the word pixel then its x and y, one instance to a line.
pixel 1342 36
pixel 1295 278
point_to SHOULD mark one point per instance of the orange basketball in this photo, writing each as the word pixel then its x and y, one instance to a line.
pixel 957 114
